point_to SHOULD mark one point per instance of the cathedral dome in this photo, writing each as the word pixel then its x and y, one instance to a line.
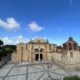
pixel 70 39
pixel 70 44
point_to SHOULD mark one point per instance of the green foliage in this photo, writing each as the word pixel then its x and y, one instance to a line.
pixel 72 78
pixel 1 42
pixel 6 49
pixel 79 47
pixel 9 48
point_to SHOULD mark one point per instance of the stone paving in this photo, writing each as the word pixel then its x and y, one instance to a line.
pixel 29 71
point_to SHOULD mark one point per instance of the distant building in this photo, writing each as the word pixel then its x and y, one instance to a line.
pixel 41 50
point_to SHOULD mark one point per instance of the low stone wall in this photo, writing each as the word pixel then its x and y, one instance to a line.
pixel 75 66
pixel 4 61
pixel 67 66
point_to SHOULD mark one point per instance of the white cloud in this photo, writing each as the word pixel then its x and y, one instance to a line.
pixel 15 40
pixel 6 40
pixel 34 27
pixel 18 39
pixel 9 24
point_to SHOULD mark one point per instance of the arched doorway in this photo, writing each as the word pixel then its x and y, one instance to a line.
pixel 41 54
pixel 36 57
pixel 41 57
pixel 36 51
pixel 38 54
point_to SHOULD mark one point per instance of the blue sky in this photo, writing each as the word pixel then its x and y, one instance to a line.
pixel 52 19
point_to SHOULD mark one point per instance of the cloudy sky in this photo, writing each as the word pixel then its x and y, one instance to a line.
pixel 56 20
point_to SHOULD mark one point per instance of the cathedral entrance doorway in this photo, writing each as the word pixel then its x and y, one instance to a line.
pixel 41 57
pixel 38 57
pixel 38 54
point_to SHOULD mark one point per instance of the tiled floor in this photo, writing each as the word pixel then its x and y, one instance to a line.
pixel 27 71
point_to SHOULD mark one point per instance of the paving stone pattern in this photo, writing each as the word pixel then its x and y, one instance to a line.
pixel 28 71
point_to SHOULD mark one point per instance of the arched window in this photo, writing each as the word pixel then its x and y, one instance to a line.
pixel 75 46
pixel 70 46
pixel 65 46
pixel 36 50
pixel 41 50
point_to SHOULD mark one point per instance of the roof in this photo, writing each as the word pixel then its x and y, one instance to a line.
pixel 39 40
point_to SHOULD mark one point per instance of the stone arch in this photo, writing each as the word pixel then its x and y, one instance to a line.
pixel 36 50
pixel 70 46
pixel 41 50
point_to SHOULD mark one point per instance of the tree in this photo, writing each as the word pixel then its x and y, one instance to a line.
pixel 1 43
pixel 8 49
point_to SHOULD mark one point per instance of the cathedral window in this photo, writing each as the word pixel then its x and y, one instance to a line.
pixel 75 46
pixel 64 46
pixel 41 50
pixel 70 46
pixel 36 50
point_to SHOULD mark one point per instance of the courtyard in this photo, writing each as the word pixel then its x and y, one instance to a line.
pixel 33 71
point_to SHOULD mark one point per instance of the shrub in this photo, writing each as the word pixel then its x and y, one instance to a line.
pixel 72 78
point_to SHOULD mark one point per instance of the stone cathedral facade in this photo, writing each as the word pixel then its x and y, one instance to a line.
pixel 41 50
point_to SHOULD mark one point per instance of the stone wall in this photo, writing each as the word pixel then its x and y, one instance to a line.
pixel 26 52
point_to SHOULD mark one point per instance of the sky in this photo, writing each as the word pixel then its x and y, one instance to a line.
pixel 55 20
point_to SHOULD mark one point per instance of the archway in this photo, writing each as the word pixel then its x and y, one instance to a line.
pixel 41 57
pixel 70 46
pixel 36 57
pixel 41 50
pixel 38 54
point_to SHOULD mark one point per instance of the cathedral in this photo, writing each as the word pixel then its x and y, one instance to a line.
pixel 41 50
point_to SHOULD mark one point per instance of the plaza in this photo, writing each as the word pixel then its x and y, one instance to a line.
pixel 33 71
pixel 39 39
